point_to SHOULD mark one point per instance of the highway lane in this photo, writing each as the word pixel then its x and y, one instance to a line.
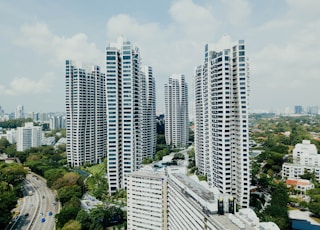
pixel 44 218
pixel 37 210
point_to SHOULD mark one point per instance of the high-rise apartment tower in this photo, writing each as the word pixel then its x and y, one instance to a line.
pixel 176 111
pixel 131 111
pixel 221 120
pixel 85 115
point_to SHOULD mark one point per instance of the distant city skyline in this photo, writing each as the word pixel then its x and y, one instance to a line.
pixel 37 37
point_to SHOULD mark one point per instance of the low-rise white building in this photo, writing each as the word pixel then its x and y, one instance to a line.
pixel 306 154
pixel 300 184
pixel 305 158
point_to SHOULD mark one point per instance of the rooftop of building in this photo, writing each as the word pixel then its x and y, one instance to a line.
pixel 198 189
pixel 298 182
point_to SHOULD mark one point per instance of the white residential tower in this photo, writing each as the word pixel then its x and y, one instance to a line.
pixel 221 120
pixel 131 114
pixel 85 115
pixel 176 111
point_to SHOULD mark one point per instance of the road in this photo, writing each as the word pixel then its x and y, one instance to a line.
pixel 36 211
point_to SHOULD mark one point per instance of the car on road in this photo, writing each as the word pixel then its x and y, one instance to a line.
pixel 27 214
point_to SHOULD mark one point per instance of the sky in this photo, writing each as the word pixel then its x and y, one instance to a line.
pixel 281 36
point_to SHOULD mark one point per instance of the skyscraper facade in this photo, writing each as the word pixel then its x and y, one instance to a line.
pixel 176 111
pixel 85 115
pixel 131 115
pixel 221 120
pixel 149 119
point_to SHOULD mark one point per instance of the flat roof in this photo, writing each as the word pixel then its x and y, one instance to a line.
pixel 198 189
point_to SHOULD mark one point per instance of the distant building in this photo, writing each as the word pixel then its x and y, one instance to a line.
pixel 313 110
pixel 61 141
pixel 305 159
pixel 176 111
pixel 48 140
pixel 300 184
pixel 298 109
pixel 221 120
pixel 85 115
pixel 1 112
pixel 43 117
pixel 57 122
pixel 28 136
pixel 11 136
pixel 19 112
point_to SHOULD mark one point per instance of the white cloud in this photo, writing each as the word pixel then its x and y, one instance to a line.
pixel 59 48
pixel 161 47
pixel 285 67
pixel 307 9
pixel 27 86
pixel 276 25
pixel 238 12
pixel 193 20
pixel 283 47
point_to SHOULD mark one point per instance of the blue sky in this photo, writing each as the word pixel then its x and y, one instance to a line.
pixel 282 40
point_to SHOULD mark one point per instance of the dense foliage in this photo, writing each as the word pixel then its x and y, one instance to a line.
pixel 14 123
pixel 277 210
pixel 69 183
pixel 11 182
pixel 275 137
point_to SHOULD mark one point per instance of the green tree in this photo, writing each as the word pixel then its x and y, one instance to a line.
pixel 4 143
pixel 314 207
pixel 178 156
pixel 99 218
pixel 191 135
pixel 65 215
pixel 74 202
pixel 277 210
pixel 12 173
pixel 14 123
pixel 161 139
pixel 115 215
pixel 8 202
pixel 52 175
pixel 68 179
pixel 147 161
pixel 67 192
pixel 72 225
pixel 84 219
